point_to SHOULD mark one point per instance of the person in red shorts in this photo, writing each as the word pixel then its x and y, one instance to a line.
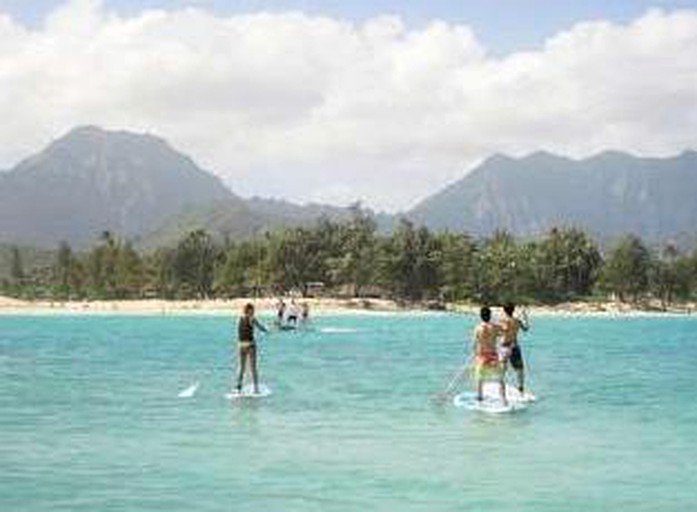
pixel 487 365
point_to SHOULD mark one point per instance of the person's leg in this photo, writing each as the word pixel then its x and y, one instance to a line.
pixel 502 390
pixel 521 379
pixel 253 367
pixel 241 362
pixel 504 368
pixel 479 376
pixel 518 366
pixel 478 380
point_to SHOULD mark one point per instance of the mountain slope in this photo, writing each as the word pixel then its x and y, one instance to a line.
pixel 608 194
pixel 137 186
pixel 92 180
pixel 236 220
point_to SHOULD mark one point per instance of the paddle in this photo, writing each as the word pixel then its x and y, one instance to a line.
pixel 525 320
pixel 190 391
pixel 454 380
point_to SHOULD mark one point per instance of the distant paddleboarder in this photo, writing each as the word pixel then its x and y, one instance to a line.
pixel 247 348
pixel 510 347
pixel 280 312
pixel 293 313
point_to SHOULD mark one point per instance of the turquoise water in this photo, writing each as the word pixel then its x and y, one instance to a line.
pixel 90 419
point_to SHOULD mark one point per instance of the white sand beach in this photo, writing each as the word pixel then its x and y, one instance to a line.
pixel 318 306
pixel 10 305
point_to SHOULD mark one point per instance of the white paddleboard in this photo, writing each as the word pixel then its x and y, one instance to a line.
pixel 512 393
pixel 337 330
pixel 491 402
pixel 248 392
pixel 469 402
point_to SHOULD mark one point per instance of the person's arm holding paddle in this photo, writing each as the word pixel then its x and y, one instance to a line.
pixel 524 321
pixel 260 326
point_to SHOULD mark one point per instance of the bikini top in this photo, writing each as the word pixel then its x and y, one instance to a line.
pixel 245 329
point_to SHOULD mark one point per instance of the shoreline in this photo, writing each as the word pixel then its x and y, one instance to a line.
pixel 318 307
pixel 212 307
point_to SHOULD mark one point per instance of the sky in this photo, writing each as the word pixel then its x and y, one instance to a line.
pixel 333 101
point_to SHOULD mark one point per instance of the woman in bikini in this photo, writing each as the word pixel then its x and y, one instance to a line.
pixel 247 347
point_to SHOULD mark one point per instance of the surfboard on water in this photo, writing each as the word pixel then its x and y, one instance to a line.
pixel 337 330
pixel 248 392
pixel 488 405
pixel 491 390
pixel 491 402
pixel 512 393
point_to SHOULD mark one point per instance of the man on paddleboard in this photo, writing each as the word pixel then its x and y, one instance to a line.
pixel 487 365
pixel 247 347
pixel 510 348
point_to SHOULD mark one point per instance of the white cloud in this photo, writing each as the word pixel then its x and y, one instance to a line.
pixel 308 107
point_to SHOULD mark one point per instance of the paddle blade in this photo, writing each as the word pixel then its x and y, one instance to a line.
pixel 190 391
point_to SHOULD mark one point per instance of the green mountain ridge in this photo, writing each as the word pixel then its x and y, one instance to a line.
pixel 241 220
pixel 138 187
pixel 92 180
pixel 608 194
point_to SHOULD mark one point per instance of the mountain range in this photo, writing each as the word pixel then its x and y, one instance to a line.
pixel 93 180
pixel 609 194
pixel 240 219
pixel 138 186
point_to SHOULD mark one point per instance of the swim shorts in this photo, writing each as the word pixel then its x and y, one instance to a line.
pixel 516 358
pixel 504 352
pixel 487 369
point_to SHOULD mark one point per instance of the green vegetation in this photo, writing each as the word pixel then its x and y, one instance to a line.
pixel 352 259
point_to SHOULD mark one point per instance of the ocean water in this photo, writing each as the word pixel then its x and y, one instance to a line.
pixel 90 418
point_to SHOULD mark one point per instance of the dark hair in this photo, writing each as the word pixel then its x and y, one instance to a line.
pixel 248 307
pixel 485 313
pixel 509 307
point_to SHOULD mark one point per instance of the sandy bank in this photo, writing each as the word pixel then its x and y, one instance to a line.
pixel 601 309
pixel 172 307
pixel 323 306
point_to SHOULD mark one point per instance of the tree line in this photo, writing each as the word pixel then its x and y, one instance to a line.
pixel 352 259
